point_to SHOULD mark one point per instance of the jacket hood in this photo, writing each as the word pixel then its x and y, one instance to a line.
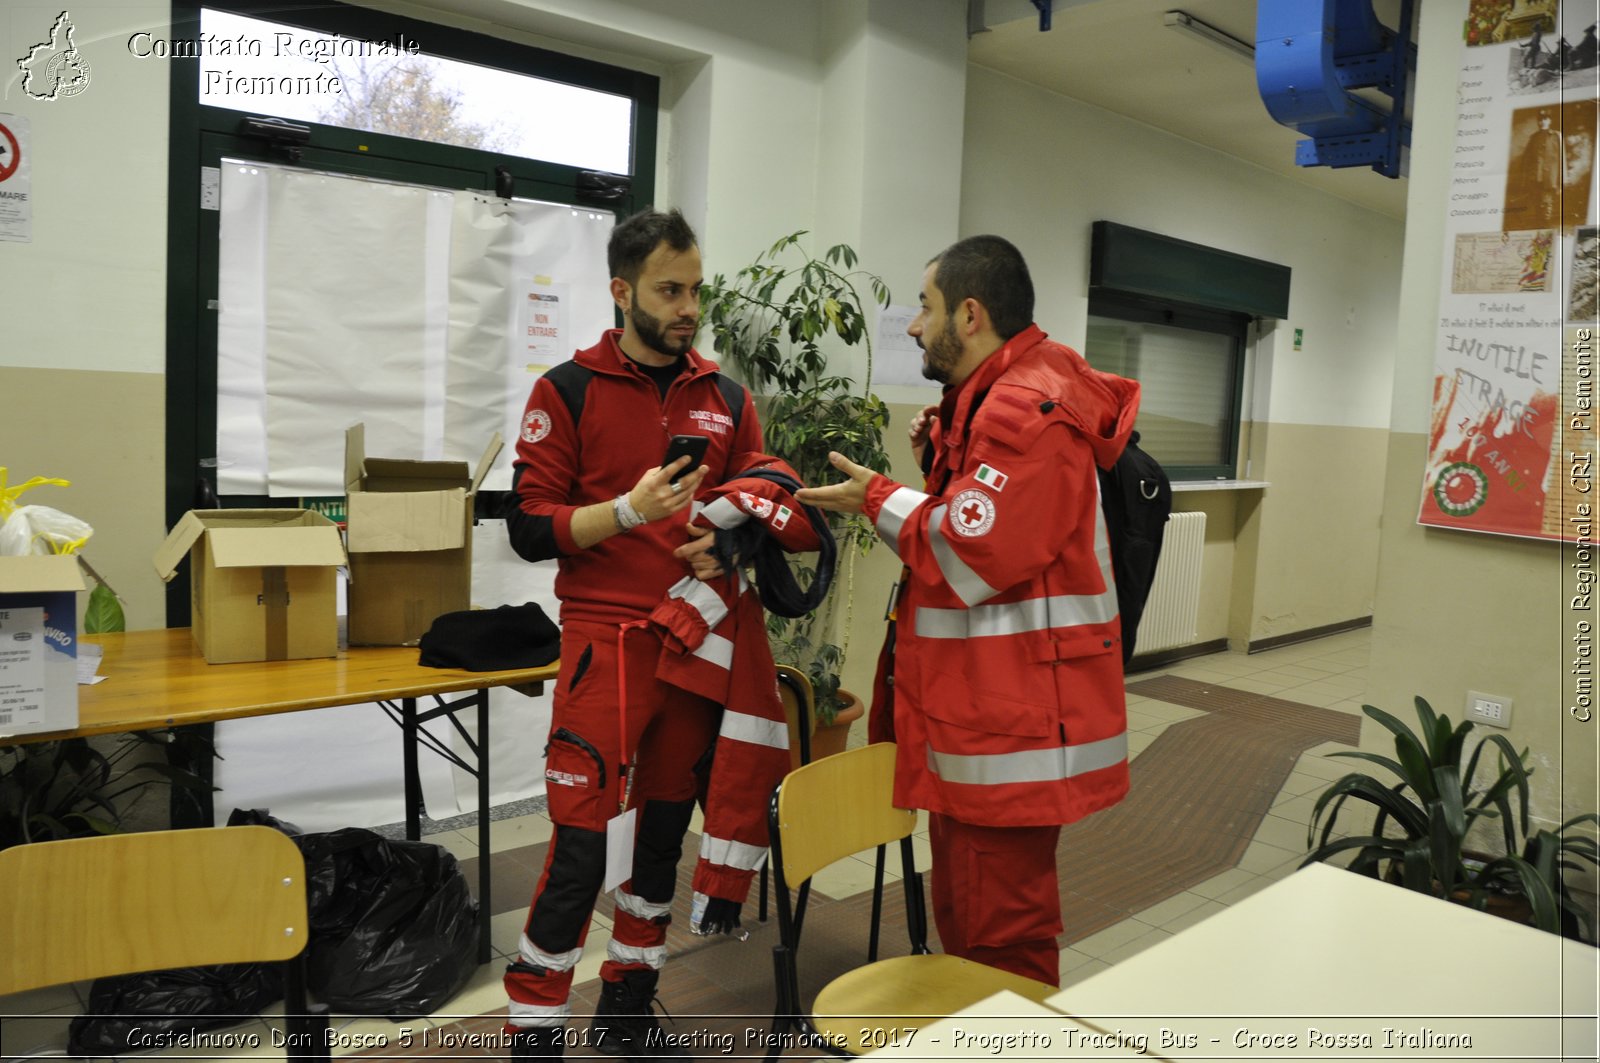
pixel 1101 405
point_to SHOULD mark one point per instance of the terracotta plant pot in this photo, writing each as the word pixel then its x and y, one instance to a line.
pixel 831 738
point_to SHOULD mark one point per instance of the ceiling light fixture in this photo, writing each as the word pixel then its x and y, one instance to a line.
pixel 1187 24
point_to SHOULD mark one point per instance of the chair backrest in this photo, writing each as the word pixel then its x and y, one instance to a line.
pixel 838 806
pixel 118 903
pixel 794 691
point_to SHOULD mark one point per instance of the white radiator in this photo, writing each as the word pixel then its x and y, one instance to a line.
pixel 1172 613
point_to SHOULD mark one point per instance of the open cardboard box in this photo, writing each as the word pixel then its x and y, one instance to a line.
pixel 409 533
pixel 39 643
pixel 262 582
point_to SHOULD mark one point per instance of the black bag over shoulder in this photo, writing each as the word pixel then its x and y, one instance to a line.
pixel 1136 497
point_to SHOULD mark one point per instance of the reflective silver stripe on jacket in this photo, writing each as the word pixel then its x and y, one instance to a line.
pixel 968 585
pixel 1033 765
pixel 637 906
pixel 717 650
pixel 554 961
pixel 725 513
pixel 705 601
pixel 729 853
pixel 896 509
pixel 655 956
pixel 1033 614
pixel 756 730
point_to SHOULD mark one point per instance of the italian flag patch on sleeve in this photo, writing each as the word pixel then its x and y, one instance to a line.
pixel 992 478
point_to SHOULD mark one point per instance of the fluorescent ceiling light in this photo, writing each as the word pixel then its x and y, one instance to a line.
pixel 1187 24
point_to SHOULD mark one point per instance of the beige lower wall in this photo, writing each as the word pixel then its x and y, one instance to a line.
pixel 104 431
pixel 1459 611
pixel 1316 547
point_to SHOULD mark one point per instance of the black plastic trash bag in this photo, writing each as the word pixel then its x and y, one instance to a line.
pixel 165 1009
pixel 394 928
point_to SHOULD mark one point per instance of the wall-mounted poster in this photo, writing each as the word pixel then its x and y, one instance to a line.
pixel 1511 436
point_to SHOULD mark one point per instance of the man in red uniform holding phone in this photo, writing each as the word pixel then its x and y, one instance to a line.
pixel 589 493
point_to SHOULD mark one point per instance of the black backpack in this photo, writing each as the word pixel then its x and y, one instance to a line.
pixel 1136 496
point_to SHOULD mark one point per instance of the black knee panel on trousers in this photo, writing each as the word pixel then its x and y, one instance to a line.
pixel 577 867
pixel 657 847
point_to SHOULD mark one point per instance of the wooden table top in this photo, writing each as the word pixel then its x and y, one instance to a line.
pixel 159 679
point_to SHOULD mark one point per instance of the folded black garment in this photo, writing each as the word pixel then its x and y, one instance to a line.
pixel 491 640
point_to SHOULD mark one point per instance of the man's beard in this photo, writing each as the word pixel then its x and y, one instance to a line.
pixel 941 353
pixel 654 334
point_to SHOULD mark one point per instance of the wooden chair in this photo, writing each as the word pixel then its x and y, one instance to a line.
pixel 826 811
pixel 794 690
pixel 120 903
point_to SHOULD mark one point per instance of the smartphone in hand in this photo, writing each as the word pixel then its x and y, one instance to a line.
pixel 694 447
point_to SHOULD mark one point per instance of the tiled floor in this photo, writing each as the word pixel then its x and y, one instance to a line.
pixel 1328 673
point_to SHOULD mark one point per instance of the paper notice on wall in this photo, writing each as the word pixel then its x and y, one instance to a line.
pixel 896 357
pixel 16 206
pixel 1512 431
pixel 1502 262
pixel 542 331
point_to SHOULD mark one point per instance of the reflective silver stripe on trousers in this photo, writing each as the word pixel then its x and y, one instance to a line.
pixel 717 650
pixel 655 956
pixel 730 853
pixel 725 513
pixel 968 585
pixel 637 906
pixel 705 601
pixel 1035 614
pixel 1034 765
pixel 754 729
pixel 896 509
pixel 550 961
pixel 538 1015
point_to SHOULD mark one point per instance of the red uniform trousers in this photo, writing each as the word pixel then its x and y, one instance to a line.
pixel 996 899
pixel 668 732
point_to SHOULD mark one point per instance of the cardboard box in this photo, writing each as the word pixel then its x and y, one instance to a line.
pixel 262 582
pixel 409 533
pixel 39 644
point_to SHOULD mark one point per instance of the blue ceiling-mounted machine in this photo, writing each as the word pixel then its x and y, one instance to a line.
pixel 1311 56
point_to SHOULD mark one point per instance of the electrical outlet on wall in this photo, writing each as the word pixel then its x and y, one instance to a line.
pixel 1491 709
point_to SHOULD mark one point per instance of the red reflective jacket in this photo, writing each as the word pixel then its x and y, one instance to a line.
pixel 1008 701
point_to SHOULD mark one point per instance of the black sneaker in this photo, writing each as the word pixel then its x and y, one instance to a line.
pixel 625 1024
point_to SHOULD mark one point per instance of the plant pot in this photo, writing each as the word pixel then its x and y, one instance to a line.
pixel 1514 906
pixel 832 738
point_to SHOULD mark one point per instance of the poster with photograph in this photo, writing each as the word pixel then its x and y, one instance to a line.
pixel 1513 355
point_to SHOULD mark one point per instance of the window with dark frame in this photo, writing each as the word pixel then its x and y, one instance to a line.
pixel 1189 362
pixel 450 142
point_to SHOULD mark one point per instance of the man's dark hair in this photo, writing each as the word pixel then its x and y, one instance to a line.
pixel 989 269
pixel 634 238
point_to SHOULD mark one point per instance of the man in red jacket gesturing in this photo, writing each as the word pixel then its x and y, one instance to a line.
pixel 1007 694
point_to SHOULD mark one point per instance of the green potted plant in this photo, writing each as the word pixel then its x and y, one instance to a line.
pixel 773 321
pixel 1419 831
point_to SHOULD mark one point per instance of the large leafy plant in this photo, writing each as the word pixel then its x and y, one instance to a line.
pixel 1419 831
pixel 775 321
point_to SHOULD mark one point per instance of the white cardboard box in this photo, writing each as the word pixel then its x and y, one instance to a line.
pixel 39 644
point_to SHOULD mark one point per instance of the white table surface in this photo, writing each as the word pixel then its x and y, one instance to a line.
pixel 1344 955
pixel 1006 1026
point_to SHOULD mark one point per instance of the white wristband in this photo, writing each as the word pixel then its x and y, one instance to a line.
pixel 624 514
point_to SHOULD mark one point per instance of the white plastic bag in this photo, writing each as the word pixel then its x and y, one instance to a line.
pixel 41 530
